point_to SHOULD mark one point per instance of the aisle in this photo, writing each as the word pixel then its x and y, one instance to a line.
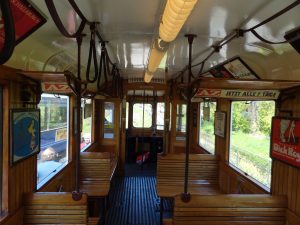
pixel 133 201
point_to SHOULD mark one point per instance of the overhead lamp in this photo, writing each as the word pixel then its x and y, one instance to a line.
pixel 148 76
pixel 175 14
pixel 157 53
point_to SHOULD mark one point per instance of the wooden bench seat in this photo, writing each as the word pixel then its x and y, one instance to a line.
pixel 54 208
pixel 203 174
pixel 230 210
pixel 96 172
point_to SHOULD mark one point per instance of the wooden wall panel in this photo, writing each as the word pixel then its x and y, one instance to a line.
pixel 64 179
pixel 286 178
pixel 21 177
pixel 16 219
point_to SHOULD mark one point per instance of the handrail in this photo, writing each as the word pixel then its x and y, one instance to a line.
pixel 9 31
pixel 104 62
pixel 236 34
pixel 52 10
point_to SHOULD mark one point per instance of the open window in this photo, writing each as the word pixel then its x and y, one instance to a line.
pixel 206 126
pixel 160 115
pixel 109 108
pixel 181 122
pixel 250 138
pixel 142 115
pixel 86 133
pixel 54 135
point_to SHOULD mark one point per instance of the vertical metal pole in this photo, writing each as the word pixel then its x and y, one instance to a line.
pixel 76 194
pixel 185 195
pixel 79 42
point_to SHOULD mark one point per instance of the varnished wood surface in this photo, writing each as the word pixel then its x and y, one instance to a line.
pixel 230 209
pixel 286 178
pixel 14 219
pixel 203 174
pixel 93 221
pixel 54 208
pixel 96 172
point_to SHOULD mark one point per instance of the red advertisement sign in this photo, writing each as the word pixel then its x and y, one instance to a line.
pixel 55 87
pixel 285 140
pixel 26 19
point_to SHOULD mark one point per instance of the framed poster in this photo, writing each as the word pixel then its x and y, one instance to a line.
pixel 239 69
pixel 220 124
pixel 285 140
pixel 26 18
pixel 25 134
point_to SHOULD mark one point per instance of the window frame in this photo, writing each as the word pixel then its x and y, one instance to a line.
pixel 199 128
pixel 156 113
pixel 238 170
pixel 152 116
pixel 60 168
pixel 92 127
pixel 103 120
pixel 180 136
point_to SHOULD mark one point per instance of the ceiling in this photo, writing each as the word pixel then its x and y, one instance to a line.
pixel 130 27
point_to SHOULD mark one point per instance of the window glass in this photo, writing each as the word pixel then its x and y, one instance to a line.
pixel 160 115
pixel 127 114
pixel 206 132
pixel 109 108
pixel 1 148
pixel 54 135
pixel 140 109
pixel 250 138
pixel 181 118
pixel 86 133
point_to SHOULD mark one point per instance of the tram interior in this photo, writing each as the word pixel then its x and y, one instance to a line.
pixel 173 112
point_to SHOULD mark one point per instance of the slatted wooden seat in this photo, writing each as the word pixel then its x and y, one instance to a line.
pixel 231 210
pixel 93 221
pixel 54 208
pixel 96 172
pixel 203 174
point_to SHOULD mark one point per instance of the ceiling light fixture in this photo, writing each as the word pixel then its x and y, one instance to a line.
pixel 175 14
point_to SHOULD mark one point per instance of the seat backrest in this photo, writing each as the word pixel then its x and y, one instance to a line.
pixel 201 167
pixel 54 208
pixel 231 209
pixel 95 165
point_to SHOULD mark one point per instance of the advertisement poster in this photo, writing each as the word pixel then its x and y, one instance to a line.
pixel 239 70
pixel 220 124
pixel 285 137
pixel 26 20
pixel 234 68
pixel 235 94
pixel 25 133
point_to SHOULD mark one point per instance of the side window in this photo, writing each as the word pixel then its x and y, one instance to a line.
pixel 109 108
pixel 181 122
pixel 160 115
pixel 181 118
pixel 206 131
pixel 54 135
pixel 1 148
pixel 86 133
pixel 127 114
pixel 250 138
pixel 141 110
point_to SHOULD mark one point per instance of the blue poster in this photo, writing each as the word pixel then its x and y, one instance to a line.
pixel 25 133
